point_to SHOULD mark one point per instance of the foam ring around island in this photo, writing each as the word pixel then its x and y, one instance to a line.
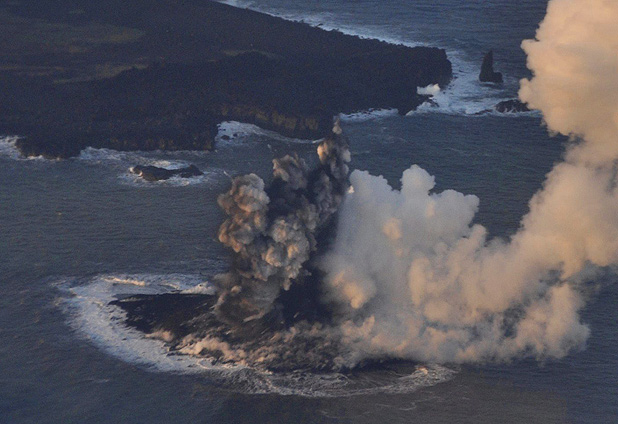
pixel 85 302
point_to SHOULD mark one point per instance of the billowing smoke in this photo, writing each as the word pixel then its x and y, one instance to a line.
pixel 408 275
pixel 411 277
pixel 274 231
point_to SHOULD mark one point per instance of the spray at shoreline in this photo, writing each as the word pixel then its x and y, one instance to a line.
pixel 415 279
pixel 408 276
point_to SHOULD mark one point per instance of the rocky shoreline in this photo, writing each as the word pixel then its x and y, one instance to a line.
pixel 173 71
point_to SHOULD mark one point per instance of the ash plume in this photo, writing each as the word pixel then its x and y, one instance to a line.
pixel 274 230
pixel 408 275
pixel 413 278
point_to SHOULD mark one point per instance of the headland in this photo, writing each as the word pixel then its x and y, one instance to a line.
pixel 162 74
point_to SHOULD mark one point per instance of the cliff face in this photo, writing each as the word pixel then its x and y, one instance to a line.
pixel 184 67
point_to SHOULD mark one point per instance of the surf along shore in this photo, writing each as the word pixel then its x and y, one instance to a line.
pixel 162 74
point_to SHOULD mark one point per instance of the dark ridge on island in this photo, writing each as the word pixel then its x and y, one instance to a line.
pixel 161 74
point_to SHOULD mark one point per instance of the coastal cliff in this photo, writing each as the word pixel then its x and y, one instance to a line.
pixel 170 72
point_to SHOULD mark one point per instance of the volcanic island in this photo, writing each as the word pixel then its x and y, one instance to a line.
pixel 161 75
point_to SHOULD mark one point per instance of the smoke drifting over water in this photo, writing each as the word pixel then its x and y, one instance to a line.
pixel 414 279
pixel 408 275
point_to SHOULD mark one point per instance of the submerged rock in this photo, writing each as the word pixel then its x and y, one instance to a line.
pixel 511 106
pixel 154 173
pixel 487 70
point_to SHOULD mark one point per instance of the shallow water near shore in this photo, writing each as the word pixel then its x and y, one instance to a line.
pixel 84 224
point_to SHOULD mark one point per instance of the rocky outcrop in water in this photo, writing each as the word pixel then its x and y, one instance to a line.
pixel 173 71
pixel 487 70
pixel 154 173
pixel 511 106
pixel 51 143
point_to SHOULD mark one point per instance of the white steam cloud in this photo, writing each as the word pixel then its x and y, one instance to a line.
pixel 414 279
pixel 430 90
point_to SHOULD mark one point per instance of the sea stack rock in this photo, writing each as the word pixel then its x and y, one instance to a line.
pixel 487 70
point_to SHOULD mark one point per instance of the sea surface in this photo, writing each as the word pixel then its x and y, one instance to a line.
pixel 74 233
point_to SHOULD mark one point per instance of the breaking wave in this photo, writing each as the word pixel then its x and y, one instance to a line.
pixel 332 276
pixel 368 115
pixel 465 95
pixel 86 302
pixel 232 133
pixel 10 151
pixel 122 162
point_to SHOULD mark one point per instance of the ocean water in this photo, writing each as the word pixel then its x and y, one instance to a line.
pixel 75 233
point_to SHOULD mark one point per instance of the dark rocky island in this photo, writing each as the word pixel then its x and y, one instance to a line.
pixel 512 106
pixel 487 70
pixel 154 173
pixel 161 74
pixel 179 316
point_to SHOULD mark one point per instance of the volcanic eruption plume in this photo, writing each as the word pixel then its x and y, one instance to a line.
pixel 274 231
pixel 413 278
pixel 407 275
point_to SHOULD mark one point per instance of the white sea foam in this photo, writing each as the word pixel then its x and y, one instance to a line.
pixel 430 90
pixel 171 160
pixel 231 133
pixel 7 147
pixel 368 115
pixel 86 304
pixel 465 95
pixel 200 288
pixel 120 161
pixel 10 151
pixel 124 161
pixel 342 385
pixel 325 20
pixel 135 180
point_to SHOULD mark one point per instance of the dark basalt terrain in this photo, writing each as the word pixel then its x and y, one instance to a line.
pixel 183 316
pixel 171 312
pixel 161 74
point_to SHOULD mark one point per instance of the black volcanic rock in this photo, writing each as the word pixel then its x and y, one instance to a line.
pixel 511 106
pixel 154 173
pixel 180 316
pixel 51 143
pixel 171 312
pixel 172 71
pixel 487 69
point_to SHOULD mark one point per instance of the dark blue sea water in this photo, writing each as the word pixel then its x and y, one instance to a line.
pixel 74 232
